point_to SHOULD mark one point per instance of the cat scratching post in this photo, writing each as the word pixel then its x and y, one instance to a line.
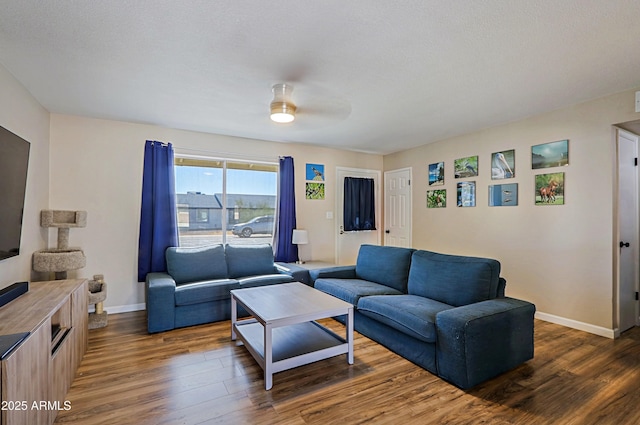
pixel 61 259
pixel 97 294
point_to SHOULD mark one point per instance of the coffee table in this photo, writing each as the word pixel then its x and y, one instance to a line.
pixel 283 334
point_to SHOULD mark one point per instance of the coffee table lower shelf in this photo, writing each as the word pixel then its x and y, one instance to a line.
pixel 291 346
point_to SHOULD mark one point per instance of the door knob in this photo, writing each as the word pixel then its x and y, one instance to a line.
pixel 624 244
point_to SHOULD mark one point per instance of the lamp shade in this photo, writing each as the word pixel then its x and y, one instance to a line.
pixel 300 237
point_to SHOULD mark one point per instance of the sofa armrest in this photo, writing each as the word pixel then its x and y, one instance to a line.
pixel 160 298
pixel 300 274
pixel 479 341
pixel 337 272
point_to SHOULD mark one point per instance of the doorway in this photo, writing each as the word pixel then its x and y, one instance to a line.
pixel 397 208
pixel 627 246
pixel 348 243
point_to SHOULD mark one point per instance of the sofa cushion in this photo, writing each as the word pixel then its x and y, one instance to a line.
pixel 264 279
pixel 386 265
pixel 205 291
pixel 250 260
pixel 196 264
pixel 453 279
pixel 410 314
pixel 350 290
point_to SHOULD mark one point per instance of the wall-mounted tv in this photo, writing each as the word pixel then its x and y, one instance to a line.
pixel 14 162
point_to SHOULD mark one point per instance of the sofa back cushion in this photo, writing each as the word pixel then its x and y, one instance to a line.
pixel 386 265
pixel 187 265
pixel 250 260
pixel 453 279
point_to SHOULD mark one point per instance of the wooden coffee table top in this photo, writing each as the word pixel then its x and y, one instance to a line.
pixel 284 301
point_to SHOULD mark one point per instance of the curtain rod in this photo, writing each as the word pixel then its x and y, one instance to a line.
pixel 222 155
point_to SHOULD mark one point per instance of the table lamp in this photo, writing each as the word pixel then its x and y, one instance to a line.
pixel 300 237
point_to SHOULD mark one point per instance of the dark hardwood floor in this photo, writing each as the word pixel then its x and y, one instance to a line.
pixel 198 375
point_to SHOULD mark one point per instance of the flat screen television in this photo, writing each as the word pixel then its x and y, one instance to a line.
pixel 14 162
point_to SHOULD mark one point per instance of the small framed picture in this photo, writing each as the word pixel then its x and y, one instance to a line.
pixel 503 165
pixel 436 174
pixel 549 189
pixel 315 172
pixel 314 191
pixel 465 167
pixel 547 155
pixel 466 194
pixel 503 195
pixel 437 198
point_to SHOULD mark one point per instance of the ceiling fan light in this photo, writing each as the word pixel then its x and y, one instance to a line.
pixel 282 108
pixel 282 112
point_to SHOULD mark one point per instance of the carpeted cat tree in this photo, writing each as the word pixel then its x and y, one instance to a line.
pixel 63 258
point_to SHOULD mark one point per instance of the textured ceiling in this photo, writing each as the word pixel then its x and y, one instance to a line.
pixel 374 76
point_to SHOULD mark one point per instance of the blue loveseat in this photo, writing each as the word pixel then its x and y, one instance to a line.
pixel 445 313
pixel 196 287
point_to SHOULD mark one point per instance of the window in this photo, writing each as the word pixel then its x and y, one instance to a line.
pixel 225 201
pixel 202 215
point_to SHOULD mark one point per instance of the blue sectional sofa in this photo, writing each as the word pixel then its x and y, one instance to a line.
pixel 445 313
pixel 196 287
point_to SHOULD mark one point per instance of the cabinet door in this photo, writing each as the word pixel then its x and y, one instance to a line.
pixel 80 322
pixel 62 371
pixel 25 379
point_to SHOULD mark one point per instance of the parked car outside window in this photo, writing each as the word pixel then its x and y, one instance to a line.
pixel 258 225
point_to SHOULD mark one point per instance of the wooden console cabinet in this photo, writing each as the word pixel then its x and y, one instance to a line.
pixel 37 374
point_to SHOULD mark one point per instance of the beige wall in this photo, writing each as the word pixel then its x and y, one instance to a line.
pixel 558 257
pixel 24 116
pixel 96 165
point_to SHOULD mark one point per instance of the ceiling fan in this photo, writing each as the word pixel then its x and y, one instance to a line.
pixel 312 105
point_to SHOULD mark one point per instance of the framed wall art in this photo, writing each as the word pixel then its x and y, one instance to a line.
pixel 314 191
pixel 315 172
pixel 437 198
pixel 465 167
pixel 547 155
pixel 466 192
pixel 503 165
pixel 503 195
pixel 549 189
pixel 436 174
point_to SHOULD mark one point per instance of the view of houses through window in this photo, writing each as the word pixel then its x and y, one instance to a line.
pixel 225 201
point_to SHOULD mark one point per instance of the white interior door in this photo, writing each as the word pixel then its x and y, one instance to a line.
pixel 397 208
pixel 628 230
pixel 348 243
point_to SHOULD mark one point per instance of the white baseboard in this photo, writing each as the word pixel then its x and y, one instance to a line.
pixel 121 308
pixel 574 324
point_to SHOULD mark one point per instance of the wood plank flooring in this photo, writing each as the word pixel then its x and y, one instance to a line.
pixel 197 375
